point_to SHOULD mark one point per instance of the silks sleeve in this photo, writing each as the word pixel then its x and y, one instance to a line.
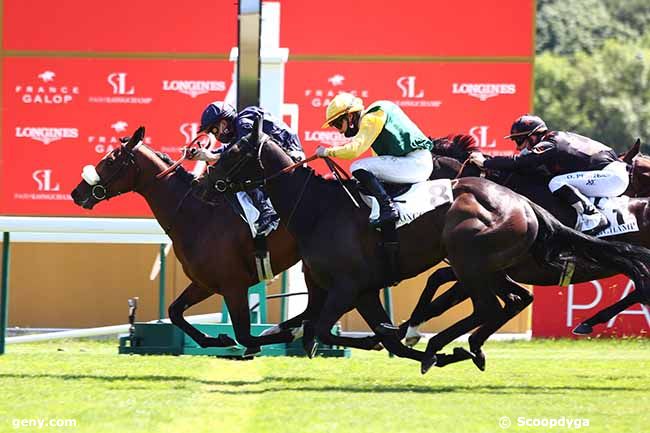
pixel 370 126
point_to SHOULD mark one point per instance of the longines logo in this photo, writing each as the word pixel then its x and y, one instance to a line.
pixel 414 95
pixel 46 135
pixel 193 88
pixel 124 92
pixel 43 179
pixel 103 143
pixel 333 138
pixel 45 91
pixel 483 91
pixel 320 97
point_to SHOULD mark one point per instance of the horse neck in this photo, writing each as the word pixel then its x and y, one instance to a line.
pixel 162 195
pixel 298 196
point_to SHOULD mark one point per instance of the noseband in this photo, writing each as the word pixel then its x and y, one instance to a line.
pixel 99 190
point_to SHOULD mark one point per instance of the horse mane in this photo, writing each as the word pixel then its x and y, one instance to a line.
pixel 457 146
pixel 183 174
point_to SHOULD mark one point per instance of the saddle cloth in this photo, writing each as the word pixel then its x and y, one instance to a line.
pixel 617 213
pixel 419 199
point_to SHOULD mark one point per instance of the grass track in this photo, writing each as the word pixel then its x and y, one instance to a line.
pixel 606 382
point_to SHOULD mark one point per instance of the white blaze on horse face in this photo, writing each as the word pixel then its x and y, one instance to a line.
pixel 89 174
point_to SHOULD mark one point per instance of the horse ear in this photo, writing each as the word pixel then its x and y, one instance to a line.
pixel 136 138
pixel 256 132
pixel 630 154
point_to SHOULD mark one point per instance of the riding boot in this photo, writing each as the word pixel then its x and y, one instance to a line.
pixel 387 210
pixel 590 220
pixel 268 219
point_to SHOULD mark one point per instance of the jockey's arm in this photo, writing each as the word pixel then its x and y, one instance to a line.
pixel 245 120
pixel 369 128
pixel 540 155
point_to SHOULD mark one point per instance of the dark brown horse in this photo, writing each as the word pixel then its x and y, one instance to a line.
pixel 487 233
pixel 211 240
pixel 534 187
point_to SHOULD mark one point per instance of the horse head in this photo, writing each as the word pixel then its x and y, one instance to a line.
pixel 115 174
pixel 240 162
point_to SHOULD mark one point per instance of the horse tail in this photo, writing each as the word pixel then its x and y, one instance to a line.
pixel 555 243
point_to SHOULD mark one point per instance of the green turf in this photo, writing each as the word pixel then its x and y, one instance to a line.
pixel 605 382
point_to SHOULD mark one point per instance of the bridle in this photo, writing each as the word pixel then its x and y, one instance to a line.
pixel 225 183
pixel 100 189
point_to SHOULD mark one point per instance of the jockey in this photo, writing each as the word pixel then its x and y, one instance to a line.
pixel 582 167
pixel 403 150
pixel 227 126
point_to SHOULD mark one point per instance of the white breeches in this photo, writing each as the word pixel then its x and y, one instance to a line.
pixel 411 168
pixel 611 181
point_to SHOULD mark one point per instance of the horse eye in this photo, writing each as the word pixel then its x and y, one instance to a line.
pixel 109 162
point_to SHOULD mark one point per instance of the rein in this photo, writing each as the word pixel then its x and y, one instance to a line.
pixel 100 190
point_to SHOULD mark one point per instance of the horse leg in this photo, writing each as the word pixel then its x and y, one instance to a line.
pixel 455 295
pixel 425 309
pixel 375 315
pixel 193 294
pixel 604 315
pixel 513 306
pixel 336 305
pixel 237 302
pixel 315 301
pixel 486 307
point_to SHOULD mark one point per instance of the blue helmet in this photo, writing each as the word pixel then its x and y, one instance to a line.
pixel 215 112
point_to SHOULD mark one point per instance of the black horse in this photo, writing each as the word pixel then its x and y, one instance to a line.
pixel 487 232
pixel 450 155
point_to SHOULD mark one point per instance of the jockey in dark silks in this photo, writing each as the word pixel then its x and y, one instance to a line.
pixel 581 167
pixel 226 125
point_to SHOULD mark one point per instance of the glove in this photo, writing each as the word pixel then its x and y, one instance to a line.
pixel 321 151
pixel 200 154
pixel 477 159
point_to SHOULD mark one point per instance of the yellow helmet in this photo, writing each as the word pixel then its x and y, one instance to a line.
pixel 341 104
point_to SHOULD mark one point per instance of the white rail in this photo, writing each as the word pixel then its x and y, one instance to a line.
pixel 104 330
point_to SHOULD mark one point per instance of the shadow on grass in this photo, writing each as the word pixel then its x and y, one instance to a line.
pixel 152 378
pixel 271 384
pixel 432 389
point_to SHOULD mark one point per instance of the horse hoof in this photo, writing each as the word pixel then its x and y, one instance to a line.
pixel 250 352
pixel 378 347
pixel 426 364
pixel 226 341
pixel 270 331
pixel 310 348
pixel 583 329
pixel 411 341
pixel 386 329
pixel 479 360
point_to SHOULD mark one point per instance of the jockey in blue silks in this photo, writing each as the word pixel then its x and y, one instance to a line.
pixel 223 122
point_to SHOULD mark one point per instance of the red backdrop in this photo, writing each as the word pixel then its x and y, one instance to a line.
pixel 90 73
pixel 557 310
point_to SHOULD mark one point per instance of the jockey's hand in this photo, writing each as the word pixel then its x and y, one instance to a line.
pixel 320 151
pixel 477 159
pixel 200 154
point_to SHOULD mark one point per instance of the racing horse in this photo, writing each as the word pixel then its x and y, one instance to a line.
pixel 212 242
pixel 450 154
pixel 487 232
